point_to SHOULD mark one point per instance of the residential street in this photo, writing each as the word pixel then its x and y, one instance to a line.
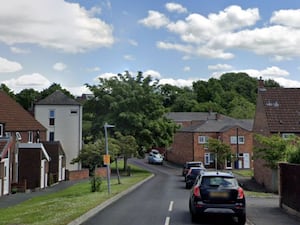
pixel 164 200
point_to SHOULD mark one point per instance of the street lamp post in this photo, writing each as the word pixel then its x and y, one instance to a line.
pixel 106 152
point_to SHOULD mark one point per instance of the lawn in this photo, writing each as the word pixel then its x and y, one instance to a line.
pixel 64 206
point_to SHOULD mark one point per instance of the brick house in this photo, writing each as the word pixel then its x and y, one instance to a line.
pixel 190 141
pixel 277 112
pixel 17 126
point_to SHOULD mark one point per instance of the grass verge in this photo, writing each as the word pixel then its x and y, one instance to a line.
pixel 64 206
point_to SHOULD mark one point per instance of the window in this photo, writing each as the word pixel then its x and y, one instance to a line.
pixel 207 158
pixel 240 138
pixel 51 117
pixel 202 139
pixel 1 130
pixel 287 135
pixel 30 136
pixel 51 136
pixel 73 111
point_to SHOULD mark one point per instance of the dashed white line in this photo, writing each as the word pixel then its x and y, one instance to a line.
pixel 171 206
pixel 167 222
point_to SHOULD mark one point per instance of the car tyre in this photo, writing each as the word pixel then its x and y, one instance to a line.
pixel 241 219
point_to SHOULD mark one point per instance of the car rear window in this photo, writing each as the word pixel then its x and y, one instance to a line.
pixel 216 181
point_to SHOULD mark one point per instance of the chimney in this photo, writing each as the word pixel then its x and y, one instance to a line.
pixel 261 86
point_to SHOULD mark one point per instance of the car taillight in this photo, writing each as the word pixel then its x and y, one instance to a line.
pixel 240 193
pixel 196 191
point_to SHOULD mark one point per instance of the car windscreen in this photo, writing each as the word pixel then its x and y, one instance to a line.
pixel 196 171
pixel 216 181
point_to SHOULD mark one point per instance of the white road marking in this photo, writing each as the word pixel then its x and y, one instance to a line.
pixel 167 222
pixel 171 206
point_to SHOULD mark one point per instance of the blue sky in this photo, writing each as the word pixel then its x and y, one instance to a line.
pixel 74 42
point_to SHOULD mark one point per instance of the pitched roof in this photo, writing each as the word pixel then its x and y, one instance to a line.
pixel 220 125
pixel 209 122
pixel 282 109
pixel 191 116
pixel 15 117
pixel 57 98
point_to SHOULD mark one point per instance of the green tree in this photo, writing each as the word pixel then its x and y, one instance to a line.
pixel 221 150
pixel 135 106
pixel 52 88
pixel 272 149
pixel 7 90
pixel 128 147
pixel 240 108
pixel 27 97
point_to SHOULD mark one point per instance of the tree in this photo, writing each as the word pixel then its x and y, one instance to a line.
pixel 7 90
pixel 128 147
pixel 134 105
pixel 27 97
pixel 272 149
pixel 52 88
pixel 222 151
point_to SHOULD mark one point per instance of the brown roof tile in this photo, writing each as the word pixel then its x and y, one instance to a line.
pixel 282 108
pixel 15 117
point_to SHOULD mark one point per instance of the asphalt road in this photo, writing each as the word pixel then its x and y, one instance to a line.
pixel 163 200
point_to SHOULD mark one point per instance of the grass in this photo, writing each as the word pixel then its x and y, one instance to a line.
pixel 64 206
pixel 244 172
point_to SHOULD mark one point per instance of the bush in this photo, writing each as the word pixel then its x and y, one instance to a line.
pixel 96 184
pixel 293 155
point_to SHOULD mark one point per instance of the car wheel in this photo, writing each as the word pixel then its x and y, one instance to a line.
pixel 241 220
pixel 187 186
pixel 194 217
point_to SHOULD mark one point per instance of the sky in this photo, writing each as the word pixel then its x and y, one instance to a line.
pixel 74 42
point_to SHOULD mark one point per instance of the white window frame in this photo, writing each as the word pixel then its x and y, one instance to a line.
pixel 207 159
pixel 286 136
pixel 1 130
pixel 202 139
pixel 240 138
pixel 30 136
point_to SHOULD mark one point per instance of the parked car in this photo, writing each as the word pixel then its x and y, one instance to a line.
pixel 191 176
pixel 188 165
pixel 216 193
pixel 155 157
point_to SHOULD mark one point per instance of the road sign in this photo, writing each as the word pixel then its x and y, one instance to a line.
pixel 106 159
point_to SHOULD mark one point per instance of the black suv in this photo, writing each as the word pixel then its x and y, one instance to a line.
pixel 217 193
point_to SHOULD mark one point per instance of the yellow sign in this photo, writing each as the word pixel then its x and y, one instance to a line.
pixel 106 159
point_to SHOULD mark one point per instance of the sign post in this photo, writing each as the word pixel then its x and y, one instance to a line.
pixel 106 157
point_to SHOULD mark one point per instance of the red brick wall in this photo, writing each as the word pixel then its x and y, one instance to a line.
pixel 101 172
pixel 181 149
pixel 77 174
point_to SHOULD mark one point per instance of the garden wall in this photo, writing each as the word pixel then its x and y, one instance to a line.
pixel 289 191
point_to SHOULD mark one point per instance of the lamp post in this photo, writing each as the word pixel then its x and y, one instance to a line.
pixel 106 152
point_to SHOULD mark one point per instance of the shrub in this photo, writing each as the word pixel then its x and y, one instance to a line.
pixel 96 184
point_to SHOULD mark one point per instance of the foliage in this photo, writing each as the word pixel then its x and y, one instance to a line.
pixel 272 149
pixel 293 150
pixel 134 106
pixel 7 90
pixel 52 88
pixel 91 155
pixel 96 183
pixel 222 151
pixel 27 97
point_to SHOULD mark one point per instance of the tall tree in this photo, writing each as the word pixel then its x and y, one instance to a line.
pixel 27 97
pixel 135 106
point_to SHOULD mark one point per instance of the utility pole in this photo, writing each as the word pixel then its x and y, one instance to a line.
pixel 107 157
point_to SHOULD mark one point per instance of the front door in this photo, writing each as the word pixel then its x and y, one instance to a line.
pixel 6 176
pixel 246 161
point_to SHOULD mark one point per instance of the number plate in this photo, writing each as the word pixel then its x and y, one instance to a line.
pixel 215 194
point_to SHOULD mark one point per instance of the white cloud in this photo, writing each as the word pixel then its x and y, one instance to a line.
pixel 129 57
pixel 177 82
pixel 59 66
pixel 19 50
pixel 220 67
pixel 133 42
pixel 154 74
pixel 34 80
pixel 274 71
pixel 7 66
pixel 187 69
pixel 54 24
pixel 290 17
pixel 175 7
pixel 155 19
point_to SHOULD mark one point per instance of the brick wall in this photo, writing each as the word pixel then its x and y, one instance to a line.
pixel 289 184
pixel 181 149
pixel 77 174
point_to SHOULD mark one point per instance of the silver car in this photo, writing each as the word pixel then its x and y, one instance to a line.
pixel 155 157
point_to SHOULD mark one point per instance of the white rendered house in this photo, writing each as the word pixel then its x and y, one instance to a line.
pixel 62 116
